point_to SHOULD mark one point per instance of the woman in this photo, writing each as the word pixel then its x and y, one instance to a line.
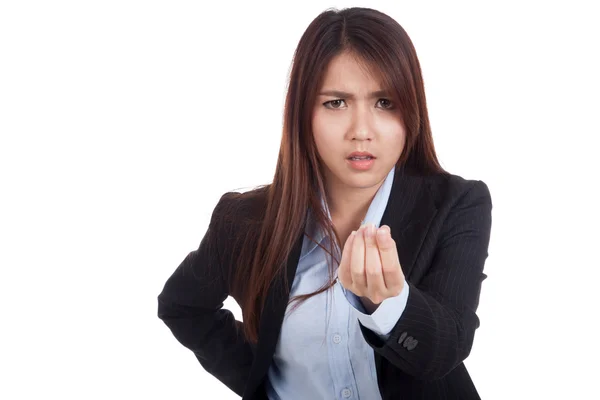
pixel 358 269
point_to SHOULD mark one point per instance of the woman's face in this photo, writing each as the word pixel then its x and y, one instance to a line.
pixel 359 120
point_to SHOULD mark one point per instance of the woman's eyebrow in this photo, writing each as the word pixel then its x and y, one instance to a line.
pixel 339 93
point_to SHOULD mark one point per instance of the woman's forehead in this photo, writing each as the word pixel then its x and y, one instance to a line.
pixel 348 73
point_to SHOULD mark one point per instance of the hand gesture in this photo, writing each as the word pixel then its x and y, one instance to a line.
pixel 370 266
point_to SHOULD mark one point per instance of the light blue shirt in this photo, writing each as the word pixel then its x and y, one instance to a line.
pixel 321 352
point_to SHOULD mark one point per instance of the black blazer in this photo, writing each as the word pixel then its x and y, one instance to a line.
pixel 441 225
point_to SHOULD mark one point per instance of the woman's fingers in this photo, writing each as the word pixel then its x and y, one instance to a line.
pixel 392 271
pixel 375 285
pixel 357 264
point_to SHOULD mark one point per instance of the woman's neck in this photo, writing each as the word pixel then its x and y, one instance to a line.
pixel 350 204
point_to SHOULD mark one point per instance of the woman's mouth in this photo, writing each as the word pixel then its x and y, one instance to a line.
pixel 361 163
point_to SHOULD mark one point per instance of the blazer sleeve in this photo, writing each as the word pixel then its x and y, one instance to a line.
pixel 436 330
pixel 191 302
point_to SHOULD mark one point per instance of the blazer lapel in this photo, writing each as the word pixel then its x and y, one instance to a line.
pixel 409 212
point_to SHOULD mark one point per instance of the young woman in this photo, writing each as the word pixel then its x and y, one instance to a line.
pixel 358 269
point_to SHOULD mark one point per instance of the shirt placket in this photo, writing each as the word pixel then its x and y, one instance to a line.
pixel 340 364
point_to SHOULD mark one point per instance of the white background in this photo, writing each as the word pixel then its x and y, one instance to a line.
pixel 122 123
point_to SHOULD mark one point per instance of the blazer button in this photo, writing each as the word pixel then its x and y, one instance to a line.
pixel 402 337
pixel 410 343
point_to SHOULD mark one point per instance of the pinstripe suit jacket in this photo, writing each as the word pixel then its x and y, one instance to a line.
pixel 441 225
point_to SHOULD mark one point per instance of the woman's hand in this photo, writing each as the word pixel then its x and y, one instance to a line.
pixel 370 266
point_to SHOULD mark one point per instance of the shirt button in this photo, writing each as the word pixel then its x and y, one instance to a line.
pixel 346 393
pixel 337 338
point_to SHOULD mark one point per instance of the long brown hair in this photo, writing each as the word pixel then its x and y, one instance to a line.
pixel 380 44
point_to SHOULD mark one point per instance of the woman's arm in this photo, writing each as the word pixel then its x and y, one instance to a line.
pixel 436 330
pixel 191 302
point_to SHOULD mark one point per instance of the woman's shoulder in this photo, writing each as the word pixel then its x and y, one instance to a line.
pixel 449 189
pixel 241 207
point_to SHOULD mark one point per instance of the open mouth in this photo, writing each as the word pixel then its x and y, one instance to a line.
pixel 360 158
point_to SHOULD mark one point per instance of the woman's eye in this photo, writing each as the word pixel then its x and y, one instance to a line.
pixel 386 102
pixel 333 103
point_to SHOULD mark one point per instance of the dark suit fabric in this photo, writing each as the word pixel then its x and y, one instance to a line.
pixel 441 225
